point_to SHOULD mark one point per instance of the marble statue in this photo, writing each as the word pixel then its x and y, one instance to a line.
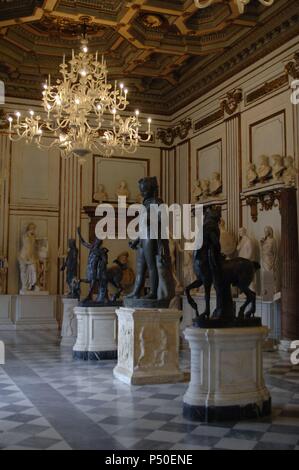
pixel 153 256
pixel 96 269
pixel 205 186
pixel 43 263
pixel 101 194
pixel 28 260
pixel 227 241
pixel 269 257
pixel 174 249
pixel 215 184
pixel 246 249
pixel 252 177
pixel 264 170
pixel 246 246
pixel 196 192
pixel 290 173
pixel 71 266
pixel 278 167
pixel 123 190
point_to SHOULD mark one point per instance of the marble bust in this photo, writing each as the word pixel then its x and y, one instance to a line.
pixel 252 176
pixel 101 194
pixel 215 184
pixel 264 170
pixel 290 173
pixel 205 186
pixel 123 190
pixel 278 167
pixel 196 192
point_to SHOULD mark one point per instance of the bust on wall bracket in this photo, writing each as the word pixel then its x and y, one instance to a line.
pixel 268 197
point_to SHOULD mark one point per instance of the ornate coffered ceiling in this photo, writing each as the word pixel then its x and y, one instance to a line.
pixel 167 52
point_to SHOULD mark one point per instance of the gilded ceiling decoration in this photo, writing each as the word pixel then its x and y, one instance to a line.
pixel 167 52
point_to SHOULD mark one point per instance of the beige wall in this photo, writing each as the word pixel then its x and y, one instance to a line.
pixel 40 187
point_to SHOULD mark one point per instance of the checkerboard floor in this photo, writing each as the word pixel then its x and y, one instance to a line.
pixel 50 401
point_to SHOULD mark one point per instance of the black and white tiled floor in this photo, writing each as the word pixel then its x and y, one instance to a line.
pixel 49 401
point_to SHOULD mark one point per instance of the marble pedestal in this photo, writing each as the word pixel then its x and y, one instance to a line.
pixel 227 380
pixel 35 312
pixel 28 312
pixel 97 333
pixel 69 322
pixel 148 346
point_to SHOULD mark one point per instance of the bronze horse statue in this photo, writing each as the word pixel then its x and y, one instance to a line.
pixel 211 267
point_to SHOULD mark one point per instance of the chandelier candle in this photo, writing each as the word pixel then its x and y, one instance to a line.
pixel 82 112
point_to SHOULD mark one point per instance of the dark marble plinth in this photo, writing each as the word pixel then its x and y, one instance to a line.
pixel 95 355
pixel 211 414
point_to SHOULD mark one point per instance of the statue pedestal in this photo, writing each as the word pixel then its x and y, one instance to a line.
pixel 69 322
pixel 97 333
pixel 6 313
pixel 35 312
pixel 227 380
pixel 148 346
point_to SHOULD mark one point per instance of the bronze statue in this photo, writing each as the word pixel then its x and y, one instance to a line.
pixel 153 255
pixel 211 268
pixel 96 269
pixel 71 266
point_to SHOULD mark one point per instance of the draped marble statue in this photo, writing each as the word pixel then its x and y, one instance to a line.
pixel 247 249
pixel 269 257
pixel 33 262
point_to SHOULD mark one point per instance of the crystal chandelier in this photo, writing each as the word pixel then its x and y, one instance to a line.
pixel 81 112
pixel 240 3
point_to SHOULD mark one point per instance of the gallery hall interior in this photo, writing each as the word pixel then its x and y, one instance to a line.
pixel 149 261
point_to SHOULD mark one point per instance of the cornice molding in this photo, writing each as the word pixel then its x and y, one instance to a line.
pixel 280 29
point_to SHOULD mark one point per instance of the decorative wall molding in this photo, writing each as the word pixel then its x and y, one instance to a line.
pixel 266 198
pixel 208 120
pixel 230 103
pixel 292 67
pixel 266 88
pixel 181 130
